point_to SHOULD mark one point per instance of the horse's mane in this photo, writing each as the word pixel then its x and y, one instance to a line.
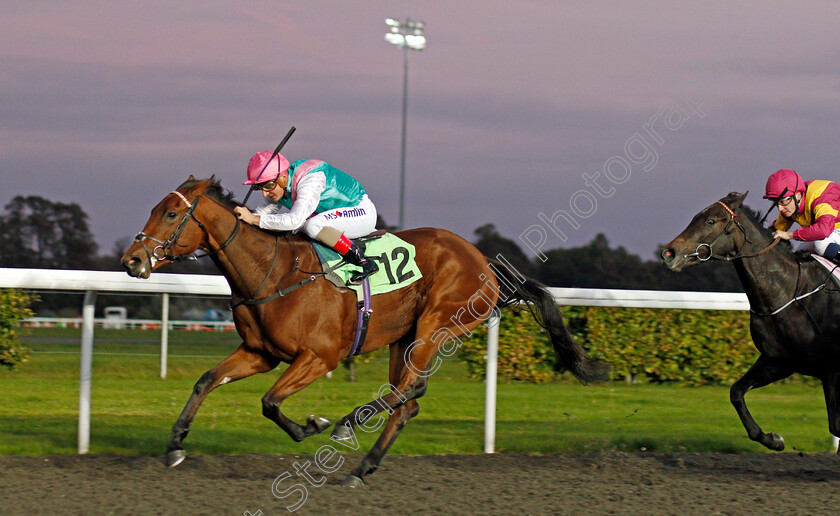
pixel 214 191
pixel 752 215
pixel 748 213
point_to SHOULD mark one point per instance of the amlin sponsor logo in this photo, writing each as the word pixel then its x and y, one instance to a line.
pixel 351 212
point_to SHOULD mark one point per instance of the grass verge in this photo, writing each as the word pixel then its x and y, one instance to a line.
pixel 133 409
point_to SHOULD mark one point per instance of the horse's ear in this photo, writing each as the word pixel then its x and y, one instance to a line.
pixel 735 199
pixel 191 178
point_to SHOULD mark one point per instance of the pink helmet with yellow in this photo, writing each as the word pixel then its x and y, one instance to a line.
pixel 784 183
pixel 277 166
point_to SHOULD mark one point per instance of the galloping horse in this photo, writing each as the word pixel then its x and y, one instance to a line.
pixel 312 327
pixel 794 305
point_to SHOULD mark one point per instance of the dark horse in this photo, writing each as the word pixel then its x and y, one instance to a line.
pixel 312 327
pixel 794 306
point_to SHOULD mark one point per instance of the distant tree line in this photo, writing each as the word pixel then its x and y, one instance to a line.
pixel 38 233
pixel 597 265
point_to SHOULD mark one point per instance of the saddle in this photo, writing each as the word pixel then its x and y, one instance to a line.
pixel 831 266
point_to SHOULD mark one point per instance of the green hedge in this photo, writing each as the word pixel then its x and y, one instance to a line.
pixel 524 351
pixel 14 307
pixel 695 347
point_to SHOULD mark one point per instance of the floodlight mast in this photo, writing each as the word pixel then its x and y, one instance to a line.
pixel 408 36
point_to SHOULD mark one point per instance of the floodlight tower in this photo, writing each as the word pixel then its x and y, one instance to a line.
pixel 407 35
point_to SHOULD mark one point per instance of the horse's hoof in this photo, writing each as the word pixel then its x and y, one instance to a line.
pixel 175 457
pixel 775 442
pixel 341 433
pixel 318 423
pixel 352 481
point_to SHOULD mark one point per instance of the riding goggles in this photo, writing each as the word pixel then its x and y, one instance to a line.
pixel 266 186
pixel 784 201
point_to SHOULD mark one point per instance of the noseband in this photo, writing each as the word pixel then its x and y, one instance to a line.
pixel 163 251
pixel 733 255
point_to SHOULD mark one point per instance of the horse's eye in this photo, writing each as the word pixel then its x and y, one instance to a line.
pixel 171 215
pixel 710 222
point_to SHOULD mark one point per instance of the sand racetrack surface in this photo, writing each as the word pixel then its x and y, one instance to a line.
pixel 605 483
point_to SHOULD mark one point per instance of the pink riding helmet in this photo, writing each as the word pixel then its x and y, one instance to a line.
pixel 784 183
pixel 277 166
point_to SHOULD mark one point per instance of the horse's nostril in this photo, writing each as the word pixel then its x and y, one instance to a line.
pixel 667 254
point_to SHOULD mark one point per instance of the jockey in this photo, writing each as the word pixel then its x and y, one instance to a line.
pixel 814 205
pixel 328 204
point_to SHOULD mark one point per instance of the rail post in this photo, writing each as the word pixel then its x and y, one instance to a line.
pixel 85 370
pixel 490 384
pixel 164 334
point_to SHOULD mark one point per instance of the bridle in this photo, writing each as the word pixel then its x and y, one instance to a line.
pixel 163 251
pixel 732 255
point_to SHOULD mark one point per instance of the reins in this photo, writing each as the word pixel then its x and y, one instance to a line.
pixel 236 301
pixel 252 301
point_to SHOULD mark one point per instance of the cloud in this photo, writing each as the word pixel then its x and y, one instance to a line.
pixel 113 105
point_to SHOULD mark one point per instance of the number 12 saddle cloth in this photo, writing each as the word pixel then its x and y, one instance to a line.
pixel 397 269
pixel 395 257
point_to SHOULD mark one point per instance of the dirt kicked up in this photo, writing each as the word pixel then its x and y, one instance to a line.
pixel 605 483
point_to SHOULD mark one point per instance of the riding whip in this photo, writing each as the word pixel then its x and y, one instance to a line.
pixel 276 152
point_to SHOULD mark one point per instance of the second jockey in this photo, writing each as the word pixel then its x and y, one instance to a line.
pixel 814 205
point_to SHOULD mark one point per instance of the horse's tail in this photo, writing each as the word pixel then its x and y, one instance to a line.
pixel 514 288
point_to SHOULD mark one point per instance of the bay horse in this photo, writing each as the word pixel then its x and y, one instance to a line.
pixel 794 305
pixel 312 327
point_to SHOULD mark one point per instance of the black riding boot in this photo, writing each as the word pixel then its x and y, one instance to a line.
pixel 355 256
pixel 832 252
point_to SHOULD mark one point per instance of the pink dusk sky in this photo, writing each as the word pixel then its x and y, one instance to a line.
pixel 624 118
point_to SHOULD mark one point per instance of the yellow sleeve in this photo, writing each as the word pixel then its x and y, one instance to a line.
pixel 782 224
pixel 823 209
